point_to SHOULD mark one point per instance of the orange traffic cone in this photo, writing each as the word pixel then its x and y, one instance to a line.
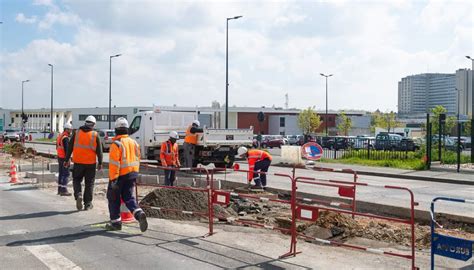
pixel 13 176
pixel 125 214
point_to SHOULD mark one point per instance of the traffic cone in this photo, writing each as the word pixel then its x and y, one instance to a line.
pixel 125 214
pixel 13 176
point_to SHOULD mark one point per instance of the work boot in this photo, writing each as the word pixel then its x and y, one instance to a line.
pixel 113 226
pixel 88 206
pixel 79 203
pixel 256 187
pixel 65 193
pixel 141 217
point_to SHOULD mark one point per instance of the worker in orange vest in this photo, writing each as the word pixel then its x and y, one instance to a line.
pixel 85 147
pixel 259 162
pixel 190 142
pixel 124 164
pixel 169 156
pixel 62 142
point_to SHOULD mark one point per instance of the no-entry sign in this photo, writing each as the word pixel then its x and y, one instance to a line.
pixel 312 151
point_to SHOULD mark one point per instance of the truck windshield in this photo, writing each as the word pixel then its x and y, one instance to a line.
pixel 135 124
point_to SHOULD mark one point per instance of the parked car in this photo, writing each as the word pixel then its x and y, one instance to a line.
pixel 106 136
pixel 12 135
pixel 295 139
pixel 271 141
pixel 447 142
pixel 390 141
pixel 363 142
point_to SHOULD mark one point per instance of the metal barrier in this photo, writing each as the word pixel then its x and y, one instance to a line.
pixel 223 197
pixel 309 212
pixel 208 190
pixel 445 245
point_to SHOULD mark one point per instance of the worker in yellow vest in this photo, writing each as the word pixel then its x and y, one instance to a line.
pixel 190 142
pixel 85 146
pixel 124 165
pixel 62 142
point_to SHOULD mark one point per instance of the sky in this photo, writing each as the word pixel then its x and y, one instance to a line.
pixel 173 52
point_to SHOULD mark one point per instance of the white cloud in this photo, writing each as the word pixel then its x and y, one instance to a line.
pixel 58 17
pixel 21 18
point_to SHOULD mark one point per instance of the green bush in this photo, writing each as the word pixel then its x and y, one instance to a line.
pixel 409 164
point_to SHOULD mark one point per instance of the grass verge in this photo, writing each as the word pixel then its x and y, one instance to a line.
pixel 408 164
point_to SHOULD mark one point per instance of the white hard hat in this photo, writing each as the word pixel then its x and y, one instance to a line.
pixel 174 135
pixel 91 119
pixel 242 150
pixel 196 122
pixel 67 126
pixel 121 123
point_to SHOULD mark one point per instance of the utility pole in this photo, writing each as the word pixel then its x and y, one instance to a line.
pixel 227 70
pixel 326 116
pixel 110 89
pixel 51 130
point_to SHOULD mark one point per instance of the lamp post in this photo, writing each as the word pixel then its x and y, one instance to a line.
pixel 227 70
pixel 51 125
pixel 326 116
pixel 22 111
pixel 472 108
pixel 110 89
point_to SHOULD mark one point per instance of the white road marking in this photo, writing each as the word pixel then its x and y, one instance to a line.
pixel 51 257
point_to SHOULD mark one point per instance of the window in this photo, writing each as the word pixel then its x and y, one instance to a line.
pixel 135 126
pixel 282 122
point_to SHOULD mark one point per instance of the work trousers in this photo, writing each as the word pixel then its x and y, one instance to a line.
pixel 125 192
pixel 87 172
pixel 261 166
pixel 63 176
pixel 170 176
pixel 189 152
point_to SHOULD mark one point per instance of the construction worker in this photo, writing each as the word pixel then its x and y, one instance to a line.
pixel 124 164
pixel 259 162
pixel 62 142
pixel 190 142
pixel 85 147
pixel 169 156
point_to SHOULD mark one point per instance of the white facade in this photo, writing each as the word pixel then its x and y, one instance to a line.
pixel 465 94
pixel 40 119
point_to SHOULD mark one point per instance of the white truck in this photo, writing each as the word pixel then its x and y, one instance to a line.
pixel 218 146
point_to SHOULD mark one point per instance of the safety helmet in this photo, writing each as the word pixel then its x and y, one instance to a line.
pixel 67 126
pixel 174 135
pixel 197 123
pixel 242 151
pixel 121 123
pixel 91 119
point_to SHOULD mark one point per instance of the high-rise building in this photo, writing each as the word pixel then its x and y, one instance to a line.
pixel 418 94
pixel 465 95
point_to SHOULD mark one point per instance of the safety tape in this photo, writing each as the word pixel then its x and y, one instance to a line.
pixel 156 208
pixel 327 242
pixel 234 194
pixel 376 251
pixel 268 227
pixel 307 200
pixel 187 212
pixel 335 204
pixel 263 199
pixel 469 201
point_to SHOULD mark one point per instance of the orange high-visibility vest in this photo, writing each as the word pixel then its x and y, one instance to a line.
pixel 255 156
pixel 190 137
pixel 124 157
pixel 59 145
pixel 85 145
pixel 169 154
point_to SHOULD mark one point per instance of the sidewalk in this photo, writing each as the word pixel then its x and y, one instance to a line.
pixel 431 176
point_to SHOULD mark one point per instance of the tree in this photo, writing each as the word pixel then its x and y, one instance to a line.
pixel 449 124
pixel 309 121
pixel 467 128
pixel 386 121
pixel 345 124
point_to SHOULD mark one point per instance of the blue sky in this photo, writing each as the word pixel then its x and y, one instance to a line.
pixel 174 51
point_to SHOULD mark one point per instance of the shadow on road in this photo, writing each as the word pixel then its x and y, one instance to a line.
pixel 22 188
pixel 37 215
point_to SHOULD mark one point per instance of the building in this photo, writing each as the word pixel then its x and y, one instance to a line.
pixel 418 94
pixel 465 93
pixel 40 119
pixel 4 119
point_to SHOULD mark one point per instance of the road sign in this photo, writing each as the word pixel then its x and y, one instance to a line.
pixel 312 151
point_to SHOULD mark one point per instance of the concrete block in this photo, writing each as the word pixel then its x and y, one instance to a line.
pixel 148 179
pixel 42 178
pixel 54 167
pixel 31 167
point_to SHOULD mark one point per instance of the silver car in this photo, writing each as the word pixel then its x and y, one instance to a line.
pixel 106 136
pixel 12 135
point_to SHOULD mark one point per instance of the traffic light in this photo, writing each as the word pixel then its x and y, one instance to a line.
pixel 24 118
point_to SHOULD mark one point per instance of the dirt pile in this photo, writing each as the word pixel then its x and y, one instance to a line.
pixel 179 200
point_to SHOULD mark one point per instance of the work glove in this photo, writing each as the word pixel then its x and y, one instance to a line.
pixel 114 185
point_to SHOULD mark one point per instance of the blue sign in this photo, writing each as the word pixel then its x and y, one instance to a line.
pixel 312 151
pixel 452 247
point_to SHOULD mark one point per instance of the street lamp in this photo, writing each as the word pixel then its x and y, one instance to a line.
pixel 326 116
pixel 52 72
pixel 227 70
pixel 110 89
pixel 22 111
pixel 472 108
